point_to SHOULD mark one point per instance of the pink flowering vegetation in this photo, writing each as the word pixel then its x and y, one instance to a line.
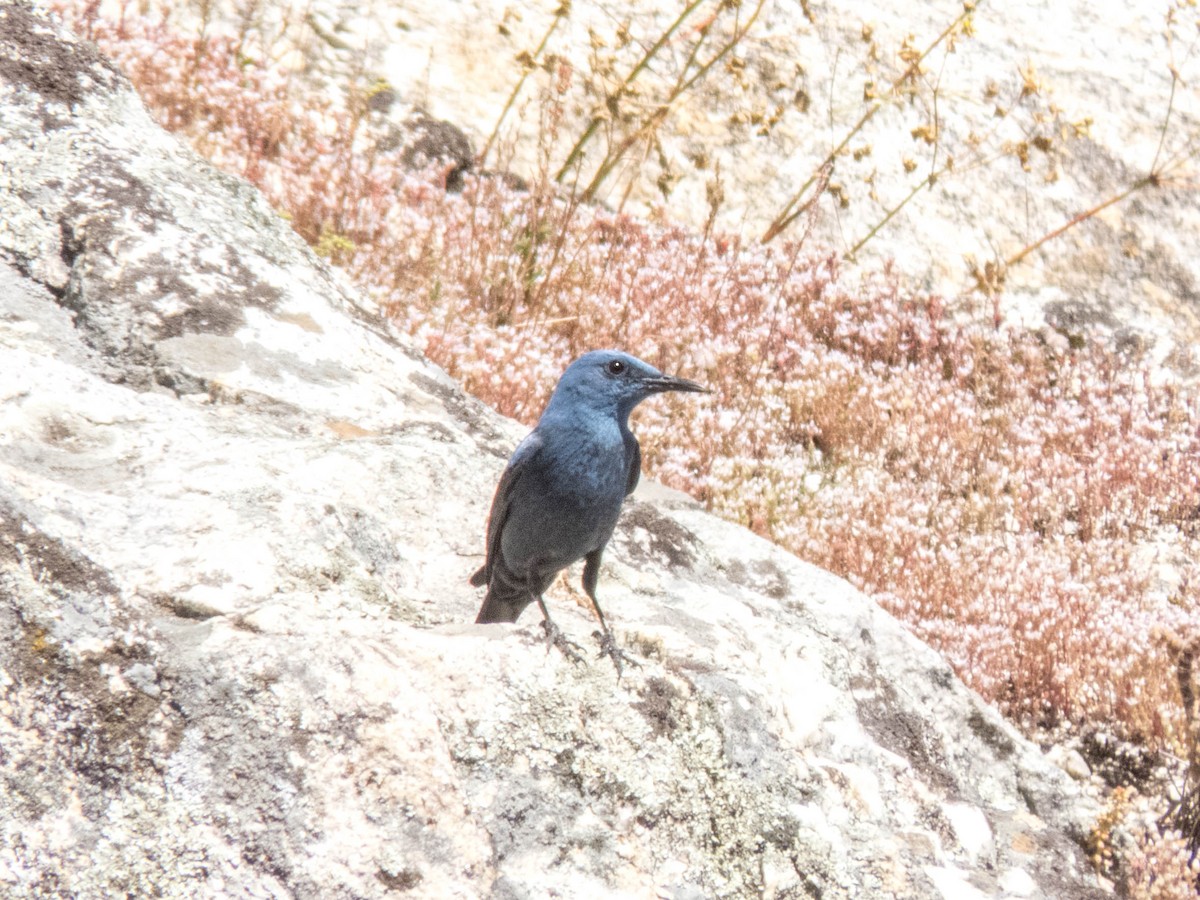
pixel 1029 504
pixel 1153 862
pixel 1159 867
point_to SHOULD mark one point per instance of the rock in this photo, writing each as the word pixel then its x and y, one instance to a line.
pixel 1070 761
pixel 1128 273
pixel 431 141
pixel 237 516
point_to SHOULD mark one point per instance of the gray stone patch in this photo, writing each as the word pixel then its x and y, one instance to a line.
pixel 38 57
pixel 49 560
pixel 749 745
pixel 761 574
pixel 659 706
pixel 896 727
pixel 665 539
pixel 468 411
pixel 991 735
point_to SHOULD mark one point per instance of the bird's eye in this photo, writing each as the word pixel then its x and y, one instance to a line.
pixel 616 367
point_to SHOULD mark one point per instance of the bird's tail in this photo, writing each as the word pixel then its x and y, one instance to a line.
pixel 497 609
pixel 504 602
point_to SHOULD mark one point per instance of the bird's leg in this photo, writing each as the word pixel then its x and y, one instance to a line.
pixel 555 637
pixel 608 643
pixel 609 648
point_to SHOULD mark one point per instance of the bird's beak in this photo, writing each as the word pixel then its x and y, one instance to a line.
pixel 671 383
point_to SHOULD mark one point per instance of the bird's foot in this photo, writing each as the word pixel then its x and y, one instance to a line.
pixel 609 648
pixel 555 638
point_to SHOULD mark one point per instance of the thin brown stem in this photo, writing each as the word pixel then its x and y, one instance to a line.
pixel 793 208
pixel 651 123
pixel 1143 182
pixel 559 14
pixel 927 181
pixel 1162 134
pixel 595 122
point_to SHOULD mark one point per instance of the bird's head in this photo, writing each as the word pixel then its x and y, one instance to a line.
pixel 613 382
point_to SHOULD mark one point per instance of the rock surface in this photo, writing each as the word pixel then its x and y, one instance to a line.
pixel 1130 272
pixel 237 515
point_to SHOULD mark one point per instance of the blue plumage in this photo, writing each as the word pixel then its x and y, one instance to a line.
pixel 559 499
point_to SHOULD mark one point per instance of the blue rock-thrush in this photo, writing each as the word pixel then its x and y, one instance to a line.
pixel 559 499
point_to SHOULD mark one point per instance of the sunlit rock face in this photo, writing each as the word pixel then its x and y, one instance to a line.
pixel 1026 114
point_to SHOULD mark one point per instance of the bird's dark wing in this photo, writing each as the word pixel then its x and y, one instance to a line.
pixel 633 459
pixel 525 453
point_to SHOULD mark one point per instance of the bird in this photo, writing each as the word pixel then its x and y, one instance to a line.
pixel 561 494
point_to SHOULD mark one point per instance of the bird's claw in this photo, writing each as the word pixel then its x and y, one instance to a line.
pixel 609 648
pixel 555 638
